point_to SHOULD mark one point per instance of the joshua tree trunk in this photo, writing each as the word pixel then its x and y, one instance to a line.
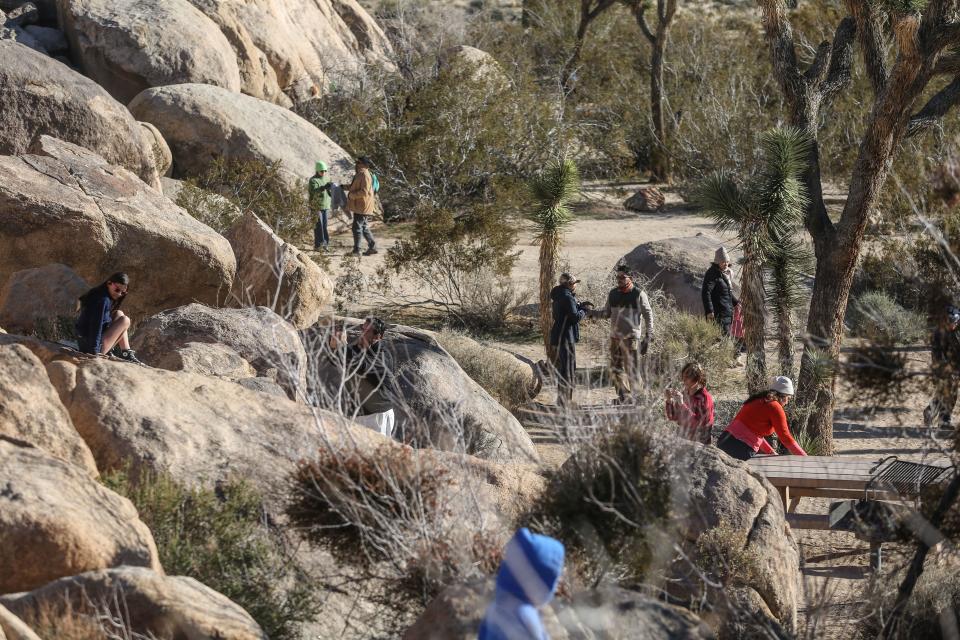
pixel 548 268
pixel 920 45
pixel 753 299
pixel 666 9
pixel 589 10
pixel 785 341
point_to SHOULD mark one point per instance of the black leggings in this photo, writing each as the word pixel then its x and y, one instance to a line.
pixel 734 448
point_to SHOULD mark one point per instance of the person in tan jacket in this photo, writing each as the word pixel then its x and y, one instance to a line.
pixel 361 203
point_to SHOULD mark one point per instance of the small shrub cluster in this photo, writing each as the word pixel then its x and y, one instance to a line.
pixel 501 374
pixel 682 337
pixel 877 317
pixel 224 539
pixel 934 602
pixel 614 493
pixel 230 188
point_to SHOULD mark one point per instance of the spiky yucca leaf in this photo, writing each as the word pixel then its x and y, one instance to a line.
pixel 779 196
pixel 553 191
pixel 722 201
pixel 788 267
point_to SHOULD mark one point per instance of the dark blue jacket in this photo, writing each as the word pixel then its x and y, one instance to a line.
pixel 526 581
pixel 94 317
pixel 567 315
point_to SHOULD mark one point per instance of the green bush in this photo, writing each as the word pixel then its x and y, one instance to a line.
pixel 877 317
pixel 682 337
pixel 613 492
pixel 232 187
pixel 224 539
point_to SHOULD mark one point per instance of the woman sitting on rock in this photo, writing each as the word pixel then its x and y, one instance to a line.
pixel 102 327
pixel 761 415
pixel 692 408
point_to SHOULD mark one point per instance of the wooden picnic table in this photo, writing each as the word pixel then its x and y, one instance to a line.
pixel 835 477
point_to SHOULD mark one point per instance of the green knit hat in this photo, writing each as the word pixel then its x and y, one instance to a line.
pixel 321 166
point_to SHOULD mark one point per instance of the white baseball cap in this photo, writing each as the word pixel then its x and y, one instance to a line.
pixel 781 384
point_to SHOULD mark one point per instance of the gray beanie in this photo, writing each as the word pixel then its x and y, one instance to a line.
pixel 721 255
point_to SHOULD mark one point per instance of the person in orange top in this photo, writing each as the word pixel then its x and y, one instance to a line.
pixel 760 416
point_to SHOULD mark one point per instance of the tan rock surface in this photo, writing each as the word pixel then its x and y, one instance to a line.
pixel 31 411
pixel 56 521
pixel 258 335
pixel 66 204
pixel 39 95
pixel 129 46
pixel 201 122
pixel 274 273
pixel 161 606
pixel 158 147
pixel 41 294
pixel 291 50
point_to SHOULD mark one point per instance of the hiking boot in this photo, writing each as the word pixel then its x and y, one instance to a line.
pixel 371 252
pixel 355 252
pixel 129 355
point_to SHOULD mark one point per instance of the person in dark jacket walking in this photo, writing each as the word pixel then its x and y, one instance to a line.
pixel 526 581
pixel 102 326
pixel 565 333
pixel 717 292
pixel 945 363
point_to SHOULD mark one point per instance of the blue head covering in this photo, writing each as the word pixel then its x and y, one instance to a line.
pixel 527 579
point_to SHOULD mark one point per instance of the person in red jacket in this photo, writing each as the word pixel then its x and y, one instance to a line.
pixel 692 408
pixel 760 416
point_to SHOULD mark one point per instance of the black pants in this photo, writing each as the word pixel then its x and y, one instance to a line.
pixel 724 323
pixel 566 371
pixel 734 448
pixel 360 228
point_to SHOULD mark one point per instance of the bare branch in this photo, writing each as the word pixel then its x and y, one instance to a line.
pixel 639 12
pixel 870 38
pixel 936 108
pixel 779 32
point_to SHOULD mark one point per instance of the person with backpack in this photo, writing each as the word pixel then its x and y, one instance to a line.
pixel 320 203
pixel 565 333
pixel 361 203
pixel 717 292
pixel 760 416
pixel 631 329
pixel 526 581
pixel 945 365
pixel 102 327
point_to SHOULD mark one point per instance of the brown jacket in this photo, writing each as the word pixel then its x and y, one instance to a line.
pixel 360 198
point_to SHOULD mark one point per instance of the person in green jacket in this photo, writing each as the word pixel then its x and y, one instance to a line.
pixel 320 203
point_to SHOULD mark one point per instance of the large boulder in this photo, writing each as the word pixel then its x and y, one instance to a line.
pixel 66 204
pixel 39 296
pixel 204 122
pixel 129 46
pixel 257 334
pixel 611 613
pixel 719 495
pixel 274 273
pixel 31 411
pixel 39 95
pixel 290 50
pixel 437 404
pixel 55 521
pixel 677 265
pixel 150 604
pixel 646 200
pixel 162 155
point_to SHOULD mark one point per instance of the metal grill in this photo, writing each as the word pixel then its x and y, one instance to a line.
pixel 904 477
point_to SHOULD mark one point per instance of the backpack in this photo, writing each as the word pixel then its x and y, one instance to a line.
pixel 376 182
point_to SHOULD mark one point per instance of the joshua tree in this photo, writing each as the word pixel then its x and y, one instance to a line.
pixel 787 269
pixel 657 36
pixel 589 11
pixel 766 210
pixel 552 192
pixel 909 50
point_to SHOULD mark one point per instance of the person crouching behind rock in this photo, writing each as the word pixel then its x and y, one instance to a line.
pixel 692 408
pixel 760 416
pixel 102 327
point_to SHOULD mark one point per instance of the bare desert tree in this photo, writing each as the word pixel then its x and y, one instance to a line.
pixel 589 11
pixel 907 50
